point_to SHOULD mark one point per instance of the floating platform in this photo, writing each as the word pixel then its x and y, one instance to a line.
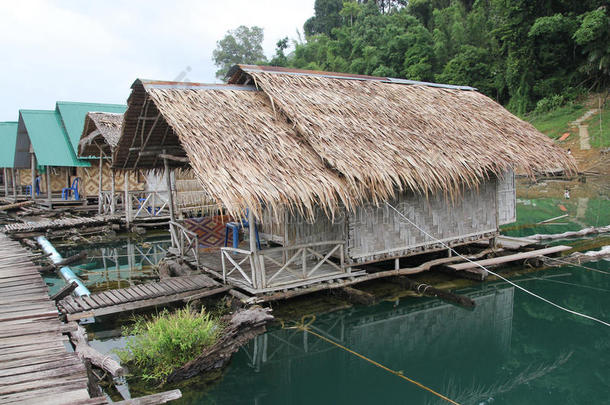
pixel 141 296
pixel 35 365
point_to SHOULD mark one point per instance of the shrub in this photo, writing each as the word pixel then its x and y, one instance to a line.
pixel 549 103
pixel 157 345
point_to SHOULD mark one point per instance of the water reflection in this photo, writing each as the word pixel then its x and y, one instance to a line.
pixel 431 341
pixel 116 265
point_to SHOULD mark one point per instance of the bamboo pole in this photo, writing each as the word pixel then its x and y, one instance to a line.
pixel 126 201
pixel 168 181
pixel 112 191
pixel 49 195
pixel 14 183
pixel 99 186
pixel 33 176
pixel 5 177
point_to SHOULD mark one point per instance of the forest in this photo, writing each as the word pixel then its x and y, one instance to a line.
pixel 526 54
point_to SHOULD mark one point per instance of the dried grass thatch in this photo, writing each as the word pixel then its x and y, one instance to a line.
pixel 306 139
pixel 246 156
pixel 383 135
pixel 102 130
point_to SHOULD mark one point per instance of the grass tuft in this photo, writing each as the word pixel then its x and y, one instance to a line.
pixel 158 345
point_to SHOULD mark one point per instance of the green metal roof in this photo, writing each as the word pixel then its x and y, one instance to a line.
pixel 73 116
pixel 48 138
pixel 8 139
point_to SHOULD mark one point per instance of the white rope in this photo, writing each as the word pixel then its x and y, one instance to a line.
pixel 496 274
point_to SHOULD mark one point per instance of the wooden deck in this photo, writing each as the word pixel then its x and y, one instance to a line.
pixel 35 364
pixel 279 277
pixel 141 296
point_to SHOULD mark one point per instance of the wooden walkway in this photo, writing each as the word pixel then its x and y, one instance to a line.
pixel 42 226
pixel 141 296
pixel 35 365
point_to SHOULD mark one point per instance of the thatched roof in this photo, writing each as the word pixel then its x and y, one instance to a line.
pixel 383 133
pixel 101 130
pixel 283 137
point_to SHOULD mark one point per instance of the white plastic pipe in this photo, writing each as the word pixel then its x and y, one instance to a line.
pixel 66 273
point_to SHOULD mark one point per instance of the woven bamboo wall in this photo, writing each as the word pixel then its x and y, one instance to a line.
pixel 380 233
pixel 58 180
pixel 507 198
pixel 90 179
pixel 189 194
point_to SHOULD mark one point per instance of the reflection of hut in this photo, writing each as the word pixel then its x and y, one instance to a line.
pixel 99 138
pixel 428 339
pixel 340 170
pixel 8 137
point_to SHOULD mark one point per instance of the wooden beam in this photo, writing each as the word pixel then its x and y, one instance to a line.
pixel 64 292
pixel 175 158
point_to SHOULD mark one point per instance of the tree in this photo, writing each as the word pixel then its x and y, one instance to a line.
pixel 326 17
pixel 593 36
pixel 280 57
pixel 241 45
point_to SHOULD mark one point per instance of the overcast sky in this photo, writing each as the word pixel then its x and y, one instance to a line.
pixel 75 50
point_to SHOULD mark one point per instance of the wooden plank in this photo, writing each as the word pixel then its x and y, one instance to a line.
pixel 63 394
pixel 130 306
pixel 81 303
pixel 43 383
pixel 509 258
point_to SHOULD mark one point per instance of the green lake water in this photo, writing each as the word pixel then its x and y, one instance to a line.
pixel 118 264
pixel 511 349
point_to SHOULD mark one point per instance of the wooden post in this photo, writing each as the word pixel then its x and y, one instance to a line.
pixel 49 196
pixel 112 191
pixel 33 175
pixel 126 198
pixel 253 248
pixel 5 183
pixel 99 186
pixel 14 183
pixel 168 180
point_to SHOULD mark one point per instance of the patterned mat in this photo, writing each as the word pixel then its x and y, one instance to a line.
pixel 210 230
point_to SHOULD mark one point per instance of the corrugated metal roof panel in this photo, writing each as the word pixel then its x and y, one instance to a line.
pixel 73 115
pixel 8 138
pixel 48 138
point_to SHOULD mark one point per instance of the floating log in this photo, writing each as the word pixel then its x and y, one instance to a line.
pixel 15 205
pixel 153 399
pixel 508 258
pixel 578 257
pixel 428 290
pixel 84 351
pixel 241 327
pixel 65 291
pixel 68 260
pixel 573 234
pixel 358 296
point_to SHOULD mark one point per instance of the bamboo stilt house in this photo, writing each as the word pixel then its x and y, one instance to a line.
pixel 73 115
pixel 43 145
pixel 8 137
pixel 339 170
